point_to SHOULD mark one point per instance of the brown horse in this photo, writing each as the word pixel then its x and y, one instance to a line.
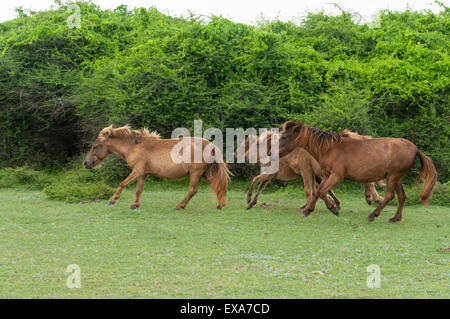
pixel 147 154
pixel 360 160
pixel 297 163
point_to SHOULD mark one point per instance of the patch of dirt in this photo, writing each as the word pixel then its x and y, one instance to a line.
pixel 266 206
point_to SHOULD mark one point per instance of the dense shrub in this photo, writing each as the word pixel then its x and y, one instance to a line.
pixel 59 86
pixel 24 176
pixel 78 192
pixel 71 186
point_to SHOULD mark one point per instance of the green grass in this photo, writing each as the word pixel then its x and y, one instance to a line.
pixel 267 252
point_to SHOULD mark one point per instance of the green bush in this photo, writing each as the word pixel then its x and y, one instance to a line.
pixel 59 86
pixel 25 176
pixel 112 171
pixel 7 179
pixel 75 192
pixel 441 195
pixel 79 185
pixel 71 186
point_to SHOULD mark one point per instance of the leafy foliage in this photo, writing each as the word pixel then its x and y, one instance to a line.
pixel 58 85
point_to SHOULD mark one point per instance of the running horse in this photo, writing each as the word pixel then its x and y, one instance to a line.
pixel 147 154
pixel 297 163
pixel 360 160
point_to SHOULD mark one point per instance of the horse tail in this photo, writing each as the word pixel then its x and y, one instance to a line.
pixel 219 181
pixel 428 176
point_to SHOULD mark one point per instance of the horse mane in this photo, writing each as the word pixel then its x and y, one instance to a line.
pixel 314 138
pixel 265 136
pixel 350 134
pixel 268 136
pixel 125 131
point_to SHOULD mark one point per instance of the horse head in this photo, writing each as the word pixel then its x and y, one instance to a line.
pixel 288 137
pixel 99 151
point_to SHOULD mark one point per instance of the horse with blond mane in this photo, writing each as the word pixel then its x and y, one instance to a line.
pixel 147 154
pixel 360 160
pixel 297 163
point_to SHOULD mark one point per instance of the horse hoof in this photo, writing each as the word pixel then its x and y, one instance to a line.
pixel 218 207
pixel 249 207
pixel 111 203
pixel 249 200
pixel 393 220
pixel 336 212
pixel 305 215
pixel 177 208
pixel 133 207
pixel 369 219
pixel 369 202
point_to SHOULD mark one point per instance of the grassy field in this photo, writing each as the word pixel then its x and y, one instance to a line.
pixel 267 252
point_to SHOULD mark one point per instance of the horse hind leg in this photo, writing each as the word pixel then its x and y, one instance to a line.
pixel 310 184
pixel 368 194
pixel 261 178
pixel 371 194
pixel 250 190
pixel 401 195
pixel 193 189
pixel 390 189
pixel 261 187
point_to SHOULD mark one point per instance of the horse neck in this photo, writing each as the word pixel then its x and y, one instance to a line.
pixel 316 154
pixel 121 146
pixel 264 139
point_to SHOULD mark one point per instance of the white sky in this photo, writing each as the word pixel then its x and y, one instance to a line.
pixel 246 11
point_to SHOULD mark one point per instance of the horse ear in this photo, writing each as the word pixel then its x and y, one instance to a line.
pixel 107 131
pixel 287 125
pixel 290 124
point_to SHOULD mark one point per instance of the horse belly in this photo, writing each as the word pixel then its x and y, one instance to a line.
pixel 366 173
pixel 285 173
pixel 168 169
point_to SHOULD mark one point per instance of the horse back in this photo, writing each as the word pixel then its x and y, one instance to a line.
pixel 370 159
pixel 158 158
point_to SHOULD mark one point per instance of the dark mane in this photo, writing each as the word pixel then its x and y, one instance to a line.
pixel 318 140
pixel 314 138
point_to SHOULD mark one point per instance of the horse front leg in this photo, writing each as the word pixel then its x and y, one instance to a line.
pixel 133 175
pixel 311 200
pixel 139 188
pixel 336 200
pixel 325 186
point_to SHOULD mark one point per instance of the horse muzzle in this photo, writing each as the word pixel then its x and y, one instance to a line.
pixel 89 163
